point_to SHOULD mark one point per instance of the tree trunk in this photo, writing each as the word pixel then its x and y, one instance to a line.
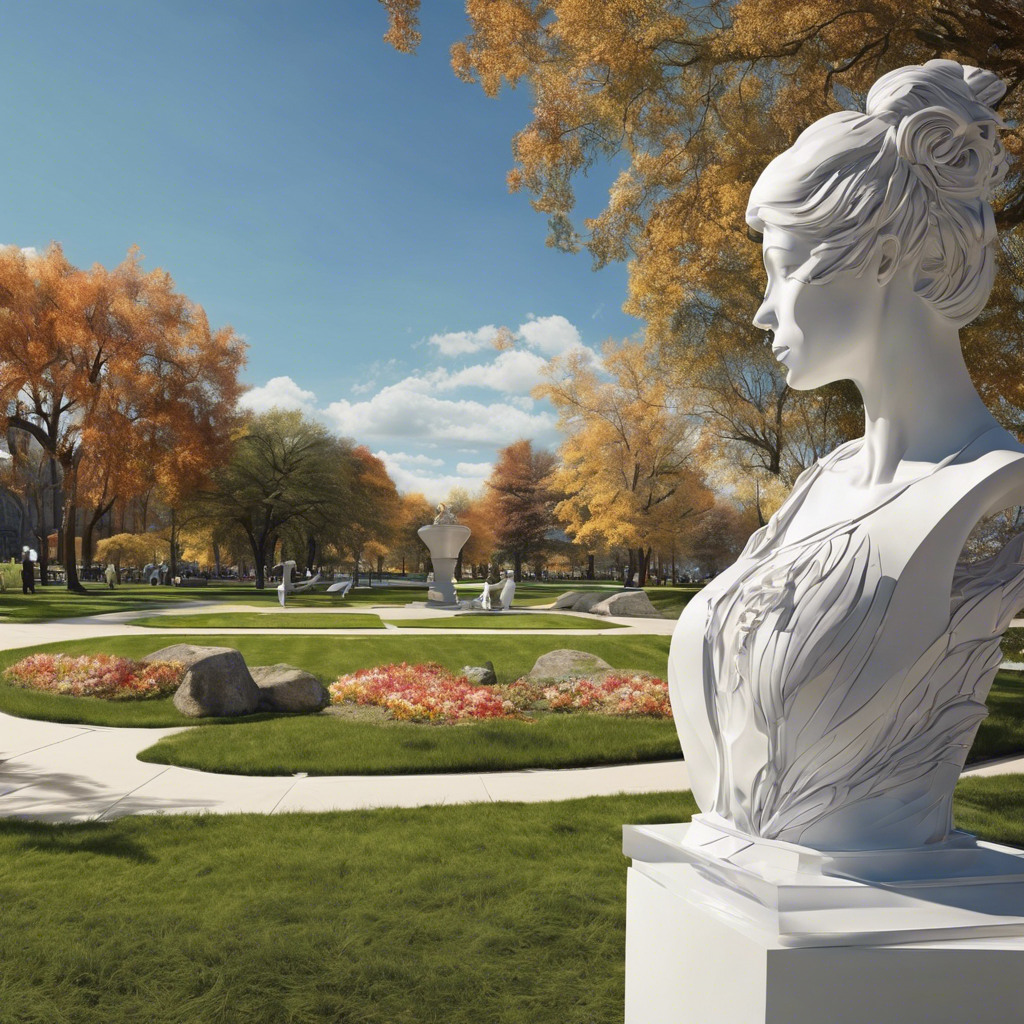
pixel 380 567
pixel 355 570
pixel 216 557
pixel 311 551
pixel 68 533
pixel 458 567
pixel 259 552
pixel 172 563
pixel 590 567
pixel 644 562
pixel 631 566
pixel 42 536
pixel 518 563
pixel 87 531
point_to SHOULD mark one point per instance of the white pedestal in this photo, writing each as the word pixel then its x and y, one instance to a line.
pixel 444 541
pixel 755 933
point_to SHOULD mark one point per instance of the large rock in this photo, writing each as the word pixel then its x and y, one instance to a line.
pixel 629 603
pixel 481 675
pixel 185 654
pixel 216 682
pixel 287 688
pixel 564 664
pixel 587 601
pixel 568 599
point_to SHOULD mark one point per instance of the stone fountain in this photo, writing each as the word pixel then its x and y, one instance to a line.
pixel 444 539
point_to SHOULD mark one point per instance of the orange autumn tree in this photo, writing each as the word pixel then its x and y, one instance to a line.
pixel 519 502
pixel 689 101
pixel 628 473
pixel 373 512
pixel 111 371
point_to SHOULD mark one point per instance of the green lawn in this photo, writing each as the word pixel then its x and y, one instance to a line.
pixel 496 913
pixel 325 657
pixel 263 620
pixel 507 620
pixel 329 745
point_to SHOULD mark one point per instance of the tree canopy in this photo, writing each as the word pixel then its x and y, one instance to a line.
pixel 689 101
pixel 114 374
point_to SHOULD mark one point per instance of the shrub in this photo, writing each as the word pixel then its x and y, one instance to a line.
pixel 99 675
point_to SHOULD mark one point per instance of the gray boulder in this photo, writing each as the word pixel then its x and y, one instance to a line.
pixel 630 603
pixel 186 654
pixel 568 599
pixel 587 601
pixel 564 664
pixel 216 683
pixel 481 675
pixel 287 688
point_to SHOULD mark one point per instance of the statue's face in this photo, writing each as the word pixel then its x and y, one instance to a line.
pixel 821 332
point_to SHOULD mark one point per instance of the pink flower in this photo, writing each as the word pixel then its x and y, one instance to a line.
pixel 100 675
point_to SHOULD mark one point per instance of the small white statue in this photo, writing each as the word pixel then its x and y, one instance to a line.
pixel 286 586
pixel 110 575
pixel 484 601
pixel 445 516
pixel 827 687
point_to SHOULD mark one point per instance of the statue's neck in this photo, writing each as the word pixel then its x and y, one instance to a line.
pixel 920 404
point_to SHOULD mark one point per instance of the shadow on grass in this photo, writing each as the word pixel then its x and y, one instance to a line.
pixel 94 837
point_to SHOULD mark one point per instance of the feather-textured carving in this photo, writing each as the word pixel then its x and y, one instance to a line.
pixel 804 729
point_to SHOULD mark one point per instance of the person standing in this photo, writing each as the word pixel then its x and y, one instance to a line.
pixel 28 573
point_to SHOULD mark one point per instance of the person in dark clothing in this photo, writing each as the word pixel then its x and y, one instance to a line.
pixel 28 574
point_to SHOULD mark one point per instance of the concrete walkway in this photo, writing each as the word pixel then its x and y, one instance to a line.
pixel 53 772
pixel 28 634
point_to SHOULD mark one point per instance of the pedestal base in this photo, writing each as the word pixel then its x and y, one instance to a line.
pixel 774 939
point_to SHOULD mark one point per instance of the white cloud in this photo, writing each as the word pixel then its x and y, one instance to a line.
pixel 405 459
pixel 458 343
pixel 551 335
pixel 437 485
pixel 28 251
pixel 410 410
pixel 513 372
pixel 279 392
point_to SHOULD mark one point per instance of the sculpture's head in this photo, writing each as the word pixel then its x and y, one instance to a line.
pixel 900 194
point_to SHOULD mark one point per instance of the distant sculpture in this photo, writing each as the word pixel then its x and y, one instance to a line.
pixel 484 601
pixel 445 516
pixel 110 575
pixel 286 586
pixel 827 687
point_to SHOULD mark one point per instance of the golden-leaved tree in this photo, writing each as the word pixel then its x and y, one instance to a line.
pixel 627 466
pixel 694 99
pixel 117 376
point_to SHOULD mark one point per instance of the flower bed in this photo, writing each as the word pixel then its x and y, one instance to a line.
pixel 99 675
pixel 615 694
pixel 420 693
pixel 432 693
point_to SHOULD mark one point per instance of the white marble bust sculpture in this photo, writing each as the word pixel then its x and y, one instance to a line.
pixel 828 686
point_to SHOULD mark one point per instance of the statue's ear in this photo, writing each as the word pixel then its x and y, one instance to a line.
pixel 889 246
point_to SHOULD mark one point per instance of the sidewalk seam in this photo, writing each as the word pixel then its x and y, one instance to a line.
pixel 124 796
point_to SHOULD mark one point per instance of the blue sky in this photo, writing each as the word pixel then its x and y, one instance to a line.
pixel 341 205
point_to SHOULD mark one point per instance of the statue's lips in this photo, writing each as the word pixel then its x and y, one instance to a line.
pixel 779 350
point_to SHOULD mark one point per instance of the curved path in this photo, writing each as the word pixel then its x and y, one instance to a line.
pixel 55 772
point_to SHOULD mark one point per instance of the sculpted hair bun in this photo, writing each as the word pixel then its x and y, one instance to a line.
pixel 918 166
pixel 946 126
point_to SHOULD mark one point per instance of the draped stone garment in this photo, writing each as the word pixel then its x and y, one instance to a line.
pixel 805 741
